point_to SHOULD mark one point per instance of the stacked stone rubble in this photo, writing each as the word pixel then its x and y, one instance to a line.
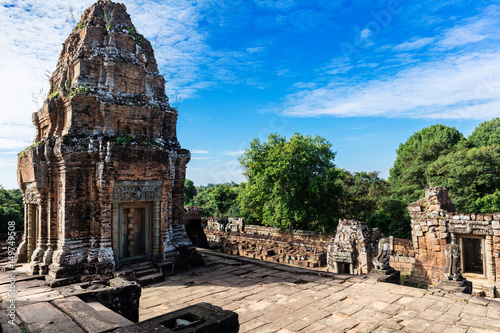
pixel 106 136
pixel 270 248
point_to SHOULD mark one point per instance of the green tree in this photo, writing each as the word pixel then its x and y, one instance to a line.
pixel 11 208
pixel 468 174
pixel 489 203
pixel 291 184
pixel 218 200
pixel 189 191
pixel 407 176
pixel 392 218
pixel 486 134
pixel 362 194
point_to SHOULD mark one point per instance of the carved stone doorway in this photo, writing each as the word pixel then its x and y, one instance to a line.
pixel 134 231
pixel 344 268
pixel 473 255
pixel 136 220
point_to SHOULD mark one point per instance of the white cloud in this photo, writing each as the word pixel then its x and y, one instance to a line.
pixel 199 151
pixel 257 49
pixel 234 153
pixel 365 33
pixel 469 33
pixel 464 86
pixel 339 65
pixel 437 83
pixel 415 44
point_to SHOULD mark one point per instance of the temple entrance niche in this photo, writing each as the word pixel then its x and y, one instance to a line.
pixel 136 222
pixel 472 249
pixel 135 231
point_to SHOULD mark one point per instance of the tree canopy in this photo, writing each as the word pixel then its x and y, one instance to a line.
pixel 11 208
pixel 217 200
pixel 292 184
pixel 189 191
pixel 467 173
pixel 486 134
pixel 407 176
pixel 440 155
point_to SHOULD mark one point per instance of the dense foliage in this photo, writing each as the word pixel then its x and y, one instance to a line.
pixel 189 192
pixel 366 197
pixel 440 155
pixel 11 209
pixel 486 134
pixel 217 200
pixel 294 183
pixel 468 174
pixel 291 184
pixel 407 176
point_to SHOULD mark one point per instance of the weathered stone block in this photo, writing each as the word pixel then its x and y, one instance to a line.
pixel 202 317
pixel 117 294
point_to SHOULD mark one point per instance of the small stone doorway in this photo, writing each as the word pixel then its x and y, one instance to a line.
pixel 473 256
pixel 134 230
pixel 344 268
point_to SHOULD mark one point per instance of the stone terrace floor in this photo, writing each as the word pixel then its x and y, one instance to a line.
pixel 272 297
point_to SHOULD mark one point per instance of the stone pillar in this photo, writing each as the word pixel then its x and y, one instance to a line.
pixel 490 262
pixel 155 230
pixel 453 237
pixel 30 229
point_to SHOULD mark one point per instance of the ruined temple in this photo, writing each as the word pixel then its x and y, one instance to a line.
pixel 103 181
pixel 475 239
pixel 352 249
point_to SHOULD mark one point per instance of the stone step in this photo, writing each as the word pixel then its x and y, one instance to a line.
pixel 149 279
pixel 86 316
pixel 136 265
pixel 166 267
pixel 44 317
pixel 147 271
pixel 110 315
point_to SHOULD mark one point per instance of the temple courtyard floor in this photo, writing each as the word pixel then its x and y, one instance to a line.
pixel 272 297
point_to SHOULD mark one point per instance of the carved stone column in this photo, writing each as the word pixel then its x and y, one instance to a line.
pixel 490 262
pixel 453 237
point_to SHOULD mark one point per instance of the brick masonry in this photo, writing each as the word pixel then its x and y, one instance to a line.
pixel 436 224
pixel 106 137
pixel 285 250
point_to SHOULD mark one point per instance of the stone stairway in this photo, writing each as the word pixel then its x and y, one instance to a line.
pixel 145 272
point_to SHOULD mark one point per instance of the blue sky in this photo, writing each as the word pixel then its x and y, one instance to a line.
pixel 363 74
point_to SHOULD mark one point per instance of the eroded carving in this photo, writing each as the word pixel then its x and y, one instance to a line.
pixel 382 260
pixel 128 193
pixel 452 270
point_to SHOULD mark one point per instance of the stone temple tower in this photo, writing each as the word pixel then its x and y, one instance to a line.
pixel 103 181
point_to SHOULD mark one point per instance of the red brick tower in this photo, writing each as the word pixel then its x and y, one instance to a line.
pixel 103 183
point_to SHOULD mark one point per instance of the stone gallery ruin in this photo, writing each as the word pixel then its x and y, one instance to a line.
pixel 447 247
pixel 103 181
